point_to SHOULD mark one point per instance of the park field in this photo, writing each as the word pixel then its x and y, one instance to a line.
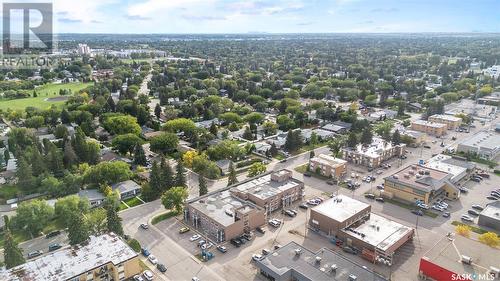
pixel 44 92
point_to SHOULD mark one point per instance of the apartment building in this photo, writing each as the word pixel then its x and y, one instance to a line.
pixel 452 122
pixel 374 154
pixel 104 258
pixel 328 166
pixel 417 182
pixel 428 127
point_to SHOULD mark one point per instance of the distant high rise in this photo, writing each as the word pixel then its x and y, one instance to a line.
pixel 83 49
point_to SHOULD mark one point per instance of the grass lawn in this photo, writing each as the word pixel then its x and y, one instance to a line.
pixel 132 202
pixel 44 92
pixel 475 229
pixel 164 216
pixel 123 206
pixel 310 147
pixel 21 236
pixel 136 60
pixel 7 192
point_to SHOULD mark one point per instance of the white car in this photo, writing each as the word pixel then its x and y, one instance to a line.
pixel 148 275
pixel 423 206
pixel 194 237
pixel 467 218
pixel 437 208
pixel 195 279
pixel 138 278
pixel 257 257
pixel 153 259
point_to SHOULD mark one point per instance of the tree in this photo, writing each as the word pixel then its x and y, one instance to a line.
pixel 188 157
pixel 352 140
pixel 174 198
pixel 55 161
pixel 68 206
pixel 24 174
pixel 164 143
pixel 383 129
pixel 33 216
pixel 13 255
pixel 396 137
pixel 336 145
pixel 490 238
pixel 126 143
pixel 273 151
pixel 401 109
pixel 270 128
pixel 38 165
pixel 293 141
pixel 114 222
pixel 155 180
pixel 139 155
pixel 79 230
pixel 69 157
pixel 180 177
pixel 231 179
pixel 34 122
pixel 256 169
pixel 157 110
pixel 65 117
pixel 311 154
pixel 366 136
pixel 96 221
pixel 213 129
pixel 463 230
pixel 202 185
pixel 167 175
pixel 107 173
pixel 247 134
pixel 122 124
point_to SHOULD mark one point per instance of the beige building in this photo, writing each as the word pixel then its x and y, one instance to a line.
pixel 431 128
pixel 418 138
pixel 229 212
pixel 104 258
pixel 352 222
pixel 417 182
pixel 374 154
pixel 452 122
pixel 328 166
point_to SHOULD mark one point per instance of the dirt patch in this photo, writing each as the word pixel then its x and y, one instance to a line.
pixel 55 99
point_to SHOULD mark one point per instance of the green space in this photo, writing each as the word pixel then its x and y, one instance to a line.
pixel 21 236
pixel 44 92
pixel 309 147
pixel 122 206
pixel 164 216
pixel 410 207
pixel 132 202
pixel 474 229
pixel 7 191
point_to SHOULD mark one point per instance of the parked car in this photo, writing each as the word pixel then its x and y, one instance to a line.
pixel 303 206
pixel 349 250
pixel 380 187
pixel 161 267
pixel 307 175
pixel 427 146
pixel 423 206
pixel 418 212
pixel 148 275
pixel 473 212
pixel 53 234
pixel 477 207
pixel 260 230
pixel 467 218
pixel 201 242
pixel 289 213
pixel 144 226
pixel 463 189
pixel 379 199
pixel 283 160
pixel 475 180
pixel 145 252
pixel 195 279
pixel 277 246
pixel 236 242
pixel 35 254
pixel 138 278
pixel 446 214
pixel 491 198
pixel 184 230
pixel 54 246
pixel 194 237
pixel 370 196
pixel 274 222
pixel 257 257
pixel 152 259
pixel 495 193
pixel 222 249
pixel 437 208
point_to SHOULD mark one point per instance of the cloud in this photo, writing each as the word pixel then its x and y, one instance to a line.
pixel 150 7
pixel 305 23
pixel 68 20
pixel 203 18
pixel 84 11
pixel 384 10
pixel 136 17
pixel 264 8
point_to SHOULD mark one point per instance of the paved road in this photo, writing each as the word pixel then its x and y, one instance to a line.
pixel 40 244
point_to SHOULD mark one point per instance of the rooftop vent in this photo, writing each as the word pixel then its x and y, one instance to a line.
pixel 395 176
pixel 298 251
pixel 418 176
pixel 333 268
pixel 466 259
pixel 352 277
pixel 407 176
pixel 318 259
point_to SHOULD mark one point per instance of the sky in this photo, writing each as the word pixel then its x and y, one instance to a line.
pixel 275 16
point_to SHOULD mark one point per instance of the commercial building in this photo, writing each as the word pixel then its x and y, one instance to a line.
pixel 452 122
pixel 105 257
pixel 328 166
pixel 295 262
pixel 418 138
pixel 271 191
pixel 455 257
pixel 459 169
pixel 352 222
pixel 417 182
pixel 490 216
pixel 232 211
pixel 484 144
pixel 374 154
pixel 431 128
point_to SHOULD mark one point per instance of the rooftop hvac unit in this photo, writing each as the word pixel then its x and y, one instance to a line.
pixel 411 172
pixel 318 259
pixel 407 176
pixel 495 272
pixel 418 176
pixel 427 172
pixel 413 167
pixel 352 277
pixel 395 176
pixel 333 268
pixel 466 259
pixel 298 251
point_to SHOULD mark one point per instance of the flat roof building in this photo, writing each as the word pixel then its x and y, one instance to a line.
pixel 105 257
pixel 295 262
pixel 485 144
pixel 431 128
pixel 455 256
pixel 416 182
pixel 374 154
pixel 452 122
pixel 328 166
pixel 490 216
pixel 459 169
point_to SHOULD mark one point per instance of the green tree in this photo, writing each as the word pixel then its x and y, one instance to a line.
pixel 231 179
pixel 33 216
pixel 167 175
pixel 139 155
pixel 156 180
pixel 202 185
pixel 38 165
pixel 24 174
pixel 78 232
pixel 55 161
pixel 164 143
pixel 114 222
pixel 13 255
pixel 69 157
pixel 180 177
pixel 352 140
pixel 96 221
pixel 396 137
pixel 293 141
pixel 213 129
pixel 174 198
pixel 256 169
pixel 247 134
pixel 107 173
pixel 68 206
pixel 157 110
pixel 366 136
pixel 126 143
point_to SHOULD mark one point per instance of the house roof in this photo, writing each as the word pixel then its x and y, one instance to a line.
pixel 126 186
